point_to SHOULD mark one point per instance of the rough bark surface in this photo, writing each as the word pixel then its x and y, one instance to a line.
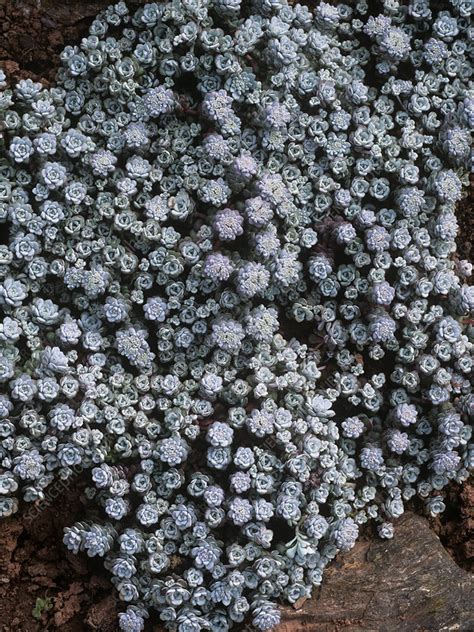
pixel 409 584
pixel 406 584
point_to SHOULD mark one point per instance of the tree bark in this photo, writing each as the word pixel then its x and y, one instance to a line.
pixel 406 584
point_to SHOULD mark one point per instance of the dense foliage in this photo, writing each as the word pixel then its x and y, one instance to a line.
pixel 230 292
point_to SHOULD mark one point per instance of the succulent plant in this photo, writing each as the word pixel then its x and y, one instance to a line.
pixel 230 294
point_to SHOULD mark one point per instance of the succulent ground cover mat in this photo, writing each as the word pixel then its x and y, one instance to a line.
pixel 230 295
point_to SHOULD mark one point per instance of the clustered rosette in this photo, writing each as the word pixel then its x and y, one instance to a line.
pixel 230 292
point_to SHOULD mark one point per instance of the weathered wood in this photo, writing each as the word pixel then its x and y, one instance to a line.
pixel 406 584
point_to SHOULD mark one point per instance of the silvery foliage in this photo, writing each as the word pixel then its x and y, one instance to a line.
pixel 230 291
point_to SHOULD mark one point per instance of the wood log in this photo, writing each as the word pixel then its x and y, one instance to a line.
pixel 407 584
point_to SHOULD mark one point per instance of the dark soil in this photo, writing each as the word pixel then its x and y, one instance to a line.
pixel 34 32
pixel 465 217
pixel 455 527
pixel 42 586
pixel 35 566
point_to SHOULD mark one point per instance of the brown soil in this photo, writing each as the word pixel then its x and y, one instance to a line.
pixel 34 32
pixel 35 568
pixel 465 217
pixel 455 527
